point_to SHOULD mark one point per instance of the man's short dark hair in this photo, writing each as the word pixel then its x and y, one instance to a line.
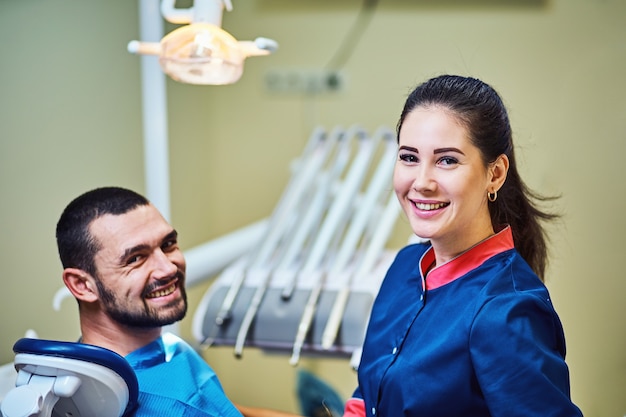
pixel 76 246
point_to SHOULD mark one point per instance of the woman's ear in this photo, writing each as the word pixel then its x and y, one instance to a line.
pixel 81 284
pixel 498 169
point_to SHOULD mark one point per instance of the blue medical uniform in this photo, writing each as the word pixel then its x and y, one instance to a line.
pixel 477 336
pixel 175 381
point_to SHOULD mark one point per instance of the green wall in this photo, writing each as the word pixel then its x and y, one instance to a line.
pixel 70 120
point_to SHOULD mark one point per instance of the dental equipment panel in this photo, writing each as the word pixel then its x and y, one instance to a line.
pixel 308 285
pixel 59 379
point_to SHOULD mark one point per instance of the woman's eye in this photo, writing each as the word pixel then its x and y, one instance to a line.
pixel 448 160
pixel 407 157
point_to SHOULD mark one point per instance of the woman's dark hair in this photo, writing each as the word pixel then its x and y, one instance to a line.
pixel 77 247
pixel 478 107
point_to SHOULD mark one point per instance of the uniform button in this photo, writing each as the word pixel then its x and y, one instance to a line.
pixel 373 410
pixel 394 351
pixel 421 297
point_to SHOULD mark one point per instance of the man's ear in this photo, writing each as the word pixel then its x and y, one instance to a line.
pixel 81 284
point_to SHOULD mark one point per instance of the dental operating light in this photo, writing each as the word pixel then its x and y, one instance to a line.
pixel 201 52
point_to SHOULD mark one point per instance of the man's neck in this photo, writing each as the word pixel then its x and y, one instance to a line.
pixel 120 339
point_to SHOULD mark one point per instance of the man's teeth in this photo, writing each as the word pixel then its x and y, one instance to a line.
pixel 425 206
pixel 163 292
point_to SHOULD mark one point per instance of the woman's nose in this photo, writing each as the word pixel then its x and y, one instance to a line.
pixel 423 179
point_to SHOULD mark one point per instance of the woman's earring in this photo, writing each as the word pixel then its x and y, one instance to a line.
pixel 492 196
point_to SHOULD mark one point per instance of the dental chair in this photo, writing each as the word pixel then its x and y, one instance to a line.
pixel 65 379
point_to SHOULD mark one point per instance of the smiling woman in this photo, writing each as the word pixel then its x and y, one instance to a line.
pixel 442 182
pixel 475 286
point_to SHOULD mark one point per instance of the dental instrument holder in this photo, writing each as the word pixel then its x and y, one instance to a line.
pixel 277 319
pixel 58 379
pixel 283 300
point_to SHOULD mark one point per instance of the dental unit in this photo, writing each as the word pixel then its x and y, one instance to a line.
pixel 301 281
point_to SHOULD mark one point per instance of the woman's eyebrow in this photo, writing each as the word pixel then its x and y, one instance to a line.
pixel 409 148
pixel 445 150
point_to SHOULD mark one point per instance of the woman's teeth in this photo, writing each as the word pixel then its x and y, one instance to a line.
pixel 428 207
pixel 163 292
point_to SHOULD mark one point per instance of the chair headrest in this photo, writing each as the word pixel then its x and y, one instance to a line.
pixel 84 352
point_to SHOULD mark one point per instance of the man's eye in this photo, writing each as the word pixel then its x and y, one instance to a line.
pixel 169 244
pixel 134 259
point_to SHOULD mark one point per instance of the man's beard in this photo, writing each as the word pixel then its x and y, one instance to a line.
pixel 143 316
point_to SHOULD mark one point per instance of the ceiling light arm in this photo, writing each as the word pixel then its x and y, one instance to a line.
pixel 203 11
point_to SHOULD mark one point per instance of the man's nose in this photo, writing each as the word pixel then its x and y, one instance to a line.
pixel 163 266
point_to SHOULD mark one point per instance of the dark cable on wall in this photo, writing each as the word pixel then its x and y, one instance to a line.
pixel 349 43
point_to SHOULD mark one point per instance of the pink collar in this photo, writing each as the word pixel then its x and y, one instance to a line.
pixel 465 262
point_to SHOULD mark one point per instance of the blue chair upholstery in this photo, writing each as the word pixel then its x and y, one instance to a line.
pixel 64 378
